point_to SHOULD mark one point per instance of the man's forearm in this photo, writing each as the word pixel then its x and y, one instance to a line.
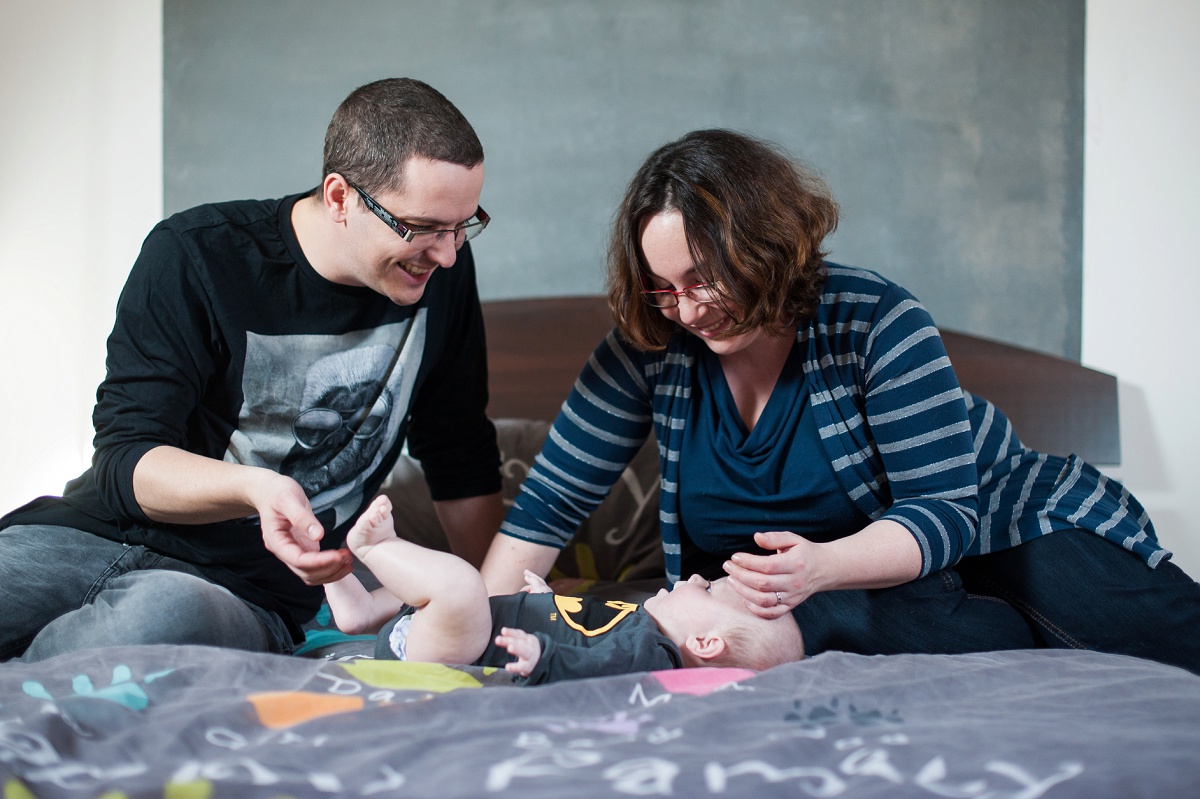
pixel 470 524
pixel 179 487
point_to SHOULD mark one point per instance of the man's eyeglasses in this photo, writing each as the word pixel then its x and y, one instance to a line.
pixel 464 232
pixel 703 293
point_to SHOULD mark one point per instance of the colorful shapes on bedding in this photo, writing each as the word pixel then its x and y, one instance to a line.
pixel 15 789
pixel 193 789
pixel 122 688
pixel 400 675
pixel 93 711
pixel 700 681
pixel 281 709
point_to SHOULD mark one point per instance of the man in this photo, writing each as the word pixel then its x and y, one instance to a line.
pixel 268 363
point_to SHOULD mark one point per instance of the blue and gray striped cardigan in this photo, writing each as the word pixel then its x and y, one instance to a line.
pixel 905 441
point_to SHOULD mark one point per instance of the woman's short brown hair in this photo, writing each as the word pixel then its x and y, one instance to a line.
pixel 755 221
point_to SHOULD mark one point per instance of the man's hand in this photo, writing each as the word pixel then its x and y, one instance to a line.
pixel 525 647
pixel 292 533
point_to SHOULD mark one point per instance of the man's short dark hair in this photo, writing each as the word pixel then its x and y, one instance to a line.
pixel 381 125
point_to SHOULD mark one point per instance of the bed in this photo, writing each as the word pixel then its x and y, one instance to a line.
pixel 168 721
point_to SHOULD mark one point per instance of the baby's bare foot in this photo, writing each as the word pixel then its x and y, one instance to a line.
pixel 375 525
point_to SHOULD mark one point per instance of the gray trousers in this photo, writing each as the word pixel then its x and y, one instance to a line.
pixel 63 589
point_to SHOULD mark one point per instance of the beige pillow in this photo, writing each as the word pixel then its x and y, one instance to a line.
pixel 619 543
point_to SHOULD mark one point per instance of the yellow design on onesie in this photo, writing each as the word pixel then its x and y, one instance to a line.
pixel 568 605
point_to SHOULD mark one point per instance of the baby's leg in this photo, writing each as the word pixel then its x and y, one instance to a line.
pixel 453 622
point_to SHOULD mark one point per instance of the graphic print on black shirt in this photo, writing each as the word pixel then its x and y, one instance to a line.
pixel 325 410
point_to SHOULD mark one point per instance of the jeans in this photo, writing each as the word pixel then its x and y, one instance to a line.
pixel 930 615
pixel 1069 589
pixel 1081 591
pixel 65 589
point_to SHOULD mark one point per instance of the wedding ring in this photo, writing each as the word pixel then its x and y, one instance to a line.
pixel 778 598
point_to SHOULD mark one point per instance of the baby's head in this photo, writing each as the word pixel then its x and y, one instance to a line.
pixel 713 627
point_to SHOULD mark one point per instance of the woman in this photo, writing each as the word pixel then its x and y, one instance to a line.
pixel 816 446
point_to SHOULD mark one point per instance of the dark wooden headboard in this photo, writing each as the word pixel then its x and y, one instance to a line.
pixel 536 348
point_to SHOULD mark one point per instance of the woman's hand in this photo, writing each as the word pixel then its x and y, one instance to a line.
pixel 880 555
pixel 772 585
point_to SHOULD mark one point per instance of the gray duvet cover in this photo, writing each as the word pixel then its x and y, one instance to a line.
pixel 180 722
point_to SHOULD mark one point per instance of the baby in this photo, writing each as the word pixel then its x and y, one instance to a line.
pixel 433 607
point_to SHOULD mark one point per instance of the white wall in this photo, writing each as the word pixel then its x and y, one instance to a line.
pixel 81 92
pixel 1141 282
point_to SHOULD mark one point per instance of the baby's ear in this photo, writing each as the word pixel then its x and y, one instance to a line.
pixel 705 647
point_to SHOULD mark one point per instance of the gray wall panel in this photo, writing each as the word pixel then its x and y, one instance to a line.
pixel 950 130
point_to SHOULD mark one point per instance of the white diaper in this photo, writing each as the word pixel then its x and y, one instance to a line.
pixel 398 637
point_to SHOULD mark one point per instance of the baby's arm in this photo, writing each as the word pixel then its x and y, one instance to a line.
pixel 357 611
pixel 535 584
pixel 522 645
